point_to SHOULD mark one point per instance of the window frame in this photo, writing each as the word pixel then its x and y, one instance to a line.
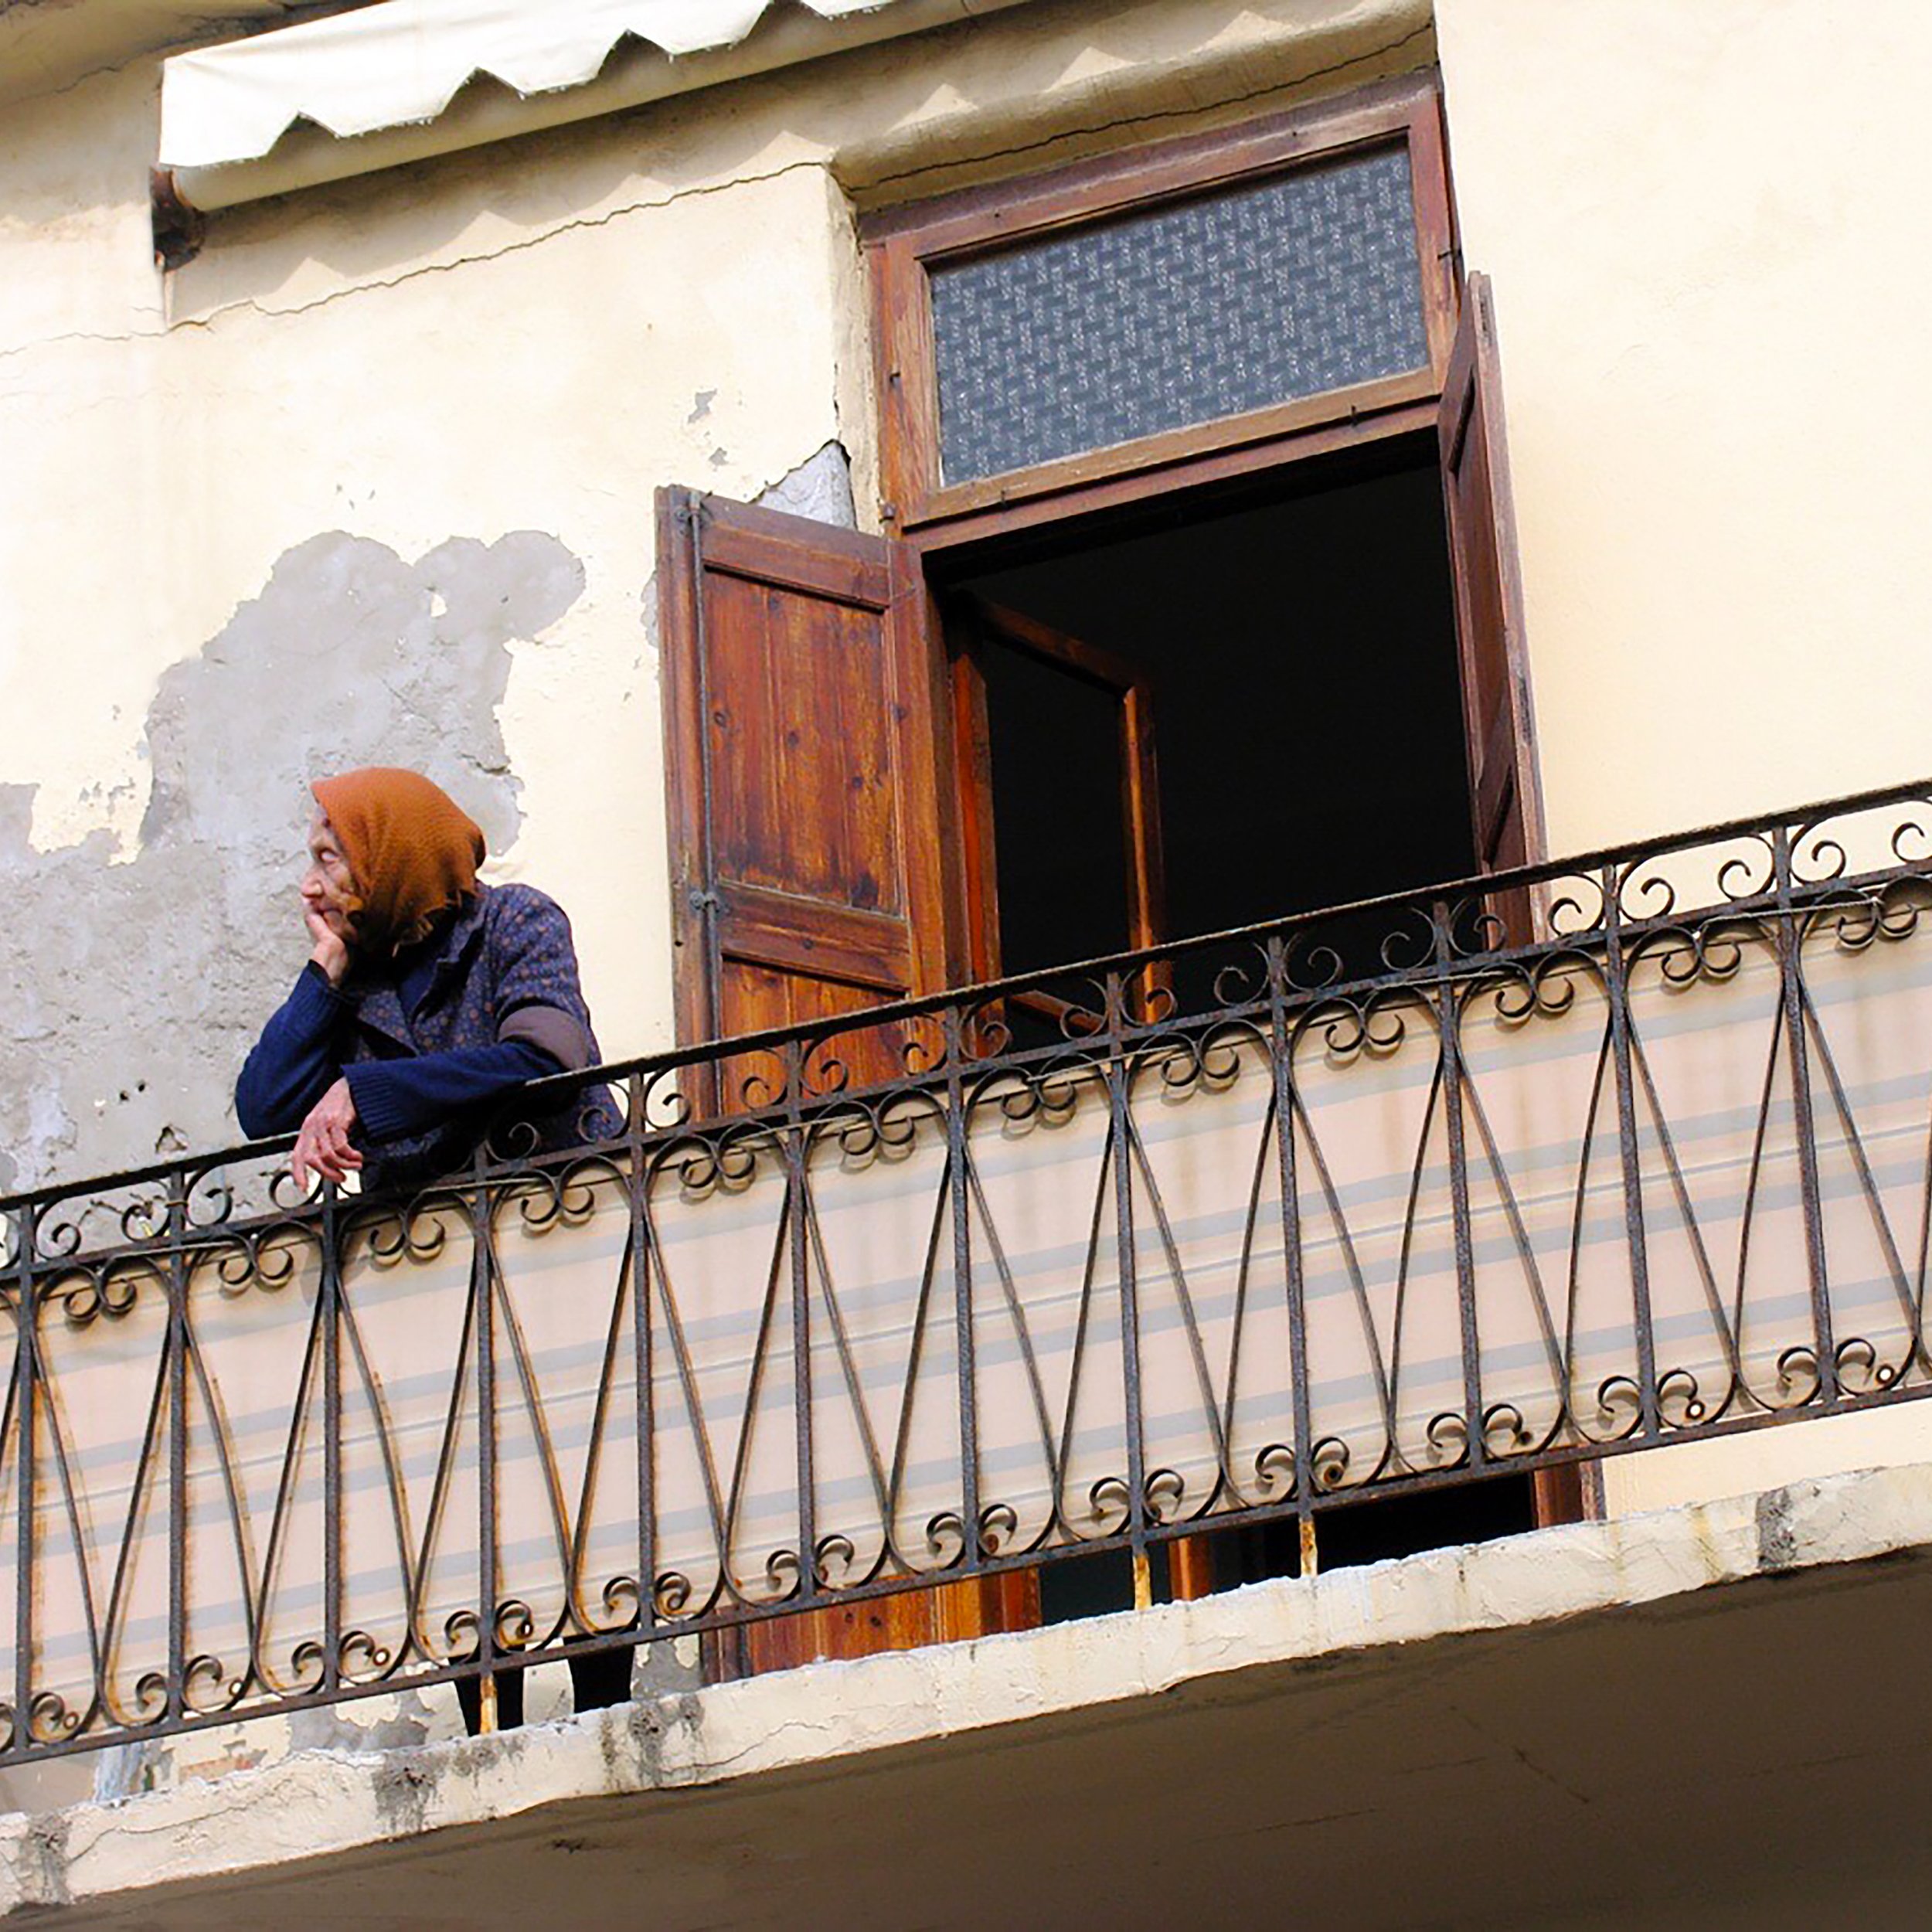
pixel 905 244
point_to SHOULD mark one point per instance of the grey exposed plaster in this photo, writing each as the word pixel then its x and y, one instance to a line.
pixel 137 988
pixel 331 1728
pixel 820 488
pixel 43 1861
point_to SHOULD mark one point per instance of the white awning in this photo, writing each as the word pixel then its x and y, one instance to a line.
pixel 403 62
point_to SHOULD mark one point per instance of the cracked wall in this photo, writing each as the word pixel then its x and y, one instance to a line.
pixel 138 986
pixel 188 650
pixel 530 338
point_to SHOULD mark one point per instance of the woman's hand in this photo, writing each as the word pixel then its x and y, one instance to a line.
pixel 322 1146
pixel 330 949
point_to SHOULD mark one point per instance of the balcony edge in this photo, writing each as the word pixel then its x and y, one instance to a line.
pixel 321 1805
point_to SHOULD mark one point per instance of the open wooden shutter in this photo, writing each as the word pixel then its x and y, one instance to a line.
pixel 1506 798
pixel 802 688
pixel 802 750
pixel 1505 795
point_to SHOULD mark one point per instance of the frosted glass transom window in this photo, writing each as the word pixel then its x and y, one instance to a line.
pixel 1232 301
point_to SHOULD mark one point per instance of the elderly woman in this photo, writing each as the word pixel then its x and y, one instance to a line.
pixel 428 996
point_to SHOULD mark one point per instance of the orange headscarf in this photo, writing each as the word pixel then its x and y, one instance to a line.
pixel 413 849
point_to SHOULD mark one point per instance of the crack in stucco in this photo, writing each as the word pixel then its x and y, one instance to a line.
pixel 82 335
pixel 519 245
pixel 81 80
pixel 826 164
pixel 468 258
pixel 1540 1773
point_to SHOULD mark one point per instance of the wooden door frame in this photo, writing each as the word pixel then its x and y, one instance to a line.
pixel 944 526
pixel 903 245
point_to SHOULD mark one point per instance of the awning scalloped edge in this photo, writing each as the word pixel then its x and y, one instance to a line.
pixel 403 62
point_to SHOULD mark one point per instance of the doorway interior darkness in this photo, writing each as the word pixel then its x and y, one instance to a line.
pixel 1300 661
pixel 1297 652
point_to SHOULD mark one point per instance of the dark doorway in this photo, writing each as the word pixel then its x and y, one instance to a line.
pixel 1301 653
pixel 1297 653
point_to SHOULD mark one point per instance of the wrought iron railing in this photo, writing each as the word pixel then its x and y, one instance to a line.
pixel 1375 1199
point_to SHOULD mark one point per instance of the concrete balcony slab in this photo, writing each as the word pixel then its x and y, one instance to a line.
pixel 1712 1715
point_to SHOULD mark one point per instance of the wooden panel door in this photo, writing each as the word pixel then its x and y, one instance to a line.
pixel 799 706
pixel 802 687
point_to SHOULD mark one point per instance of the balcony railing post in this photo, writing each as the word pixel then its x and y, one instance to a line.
pixel 177 1231
pixel 331 1319
pixel 1448 1019
pixel 958 1183
pixel 27 1408
pixel 635 1184
pixel 1120 1135
pixel 1280 1051
pixel 1616 979
pixel 800 1243
pixel 483 1299
pixel 1803 1124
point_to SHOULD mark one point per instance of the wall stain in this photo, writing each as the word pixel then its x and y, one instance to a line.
pixel 137 988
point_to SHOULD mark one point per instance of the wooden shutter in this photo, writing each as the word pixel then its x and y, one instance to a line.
pixel 802 760
pixel 802 687
pixel 1505 795
pixel 1504 792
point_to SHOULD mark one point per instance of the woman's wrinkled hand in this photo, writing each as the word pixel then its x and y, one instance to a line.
pixel 322 1146
pixel 330 950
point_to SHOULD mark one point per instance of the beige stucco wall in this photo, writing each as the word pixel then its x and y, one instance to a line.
pixel 543 387
pixel 1702 222
pixel 1699 221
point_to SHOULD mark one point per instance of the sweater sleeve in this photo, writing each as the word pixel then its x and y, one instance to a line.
pixel 296 1060
pixel 395 1099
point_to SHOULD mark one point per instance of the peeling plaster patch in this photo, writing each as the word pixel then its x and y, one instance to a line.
pixel 1778 1546
pixel 820 488
pixel 402 1789
pixel 396 1725
pixel 43 1861
pixel 701 405
pixel 137 988
pixel 665 1732
pixel 668 1667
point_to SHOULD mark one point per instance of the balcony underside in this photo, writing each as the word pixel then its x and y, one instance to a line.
pixel 1710 1717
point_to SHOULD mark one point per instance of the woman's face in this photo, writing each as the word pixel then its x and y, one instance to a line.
pixel 329 886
